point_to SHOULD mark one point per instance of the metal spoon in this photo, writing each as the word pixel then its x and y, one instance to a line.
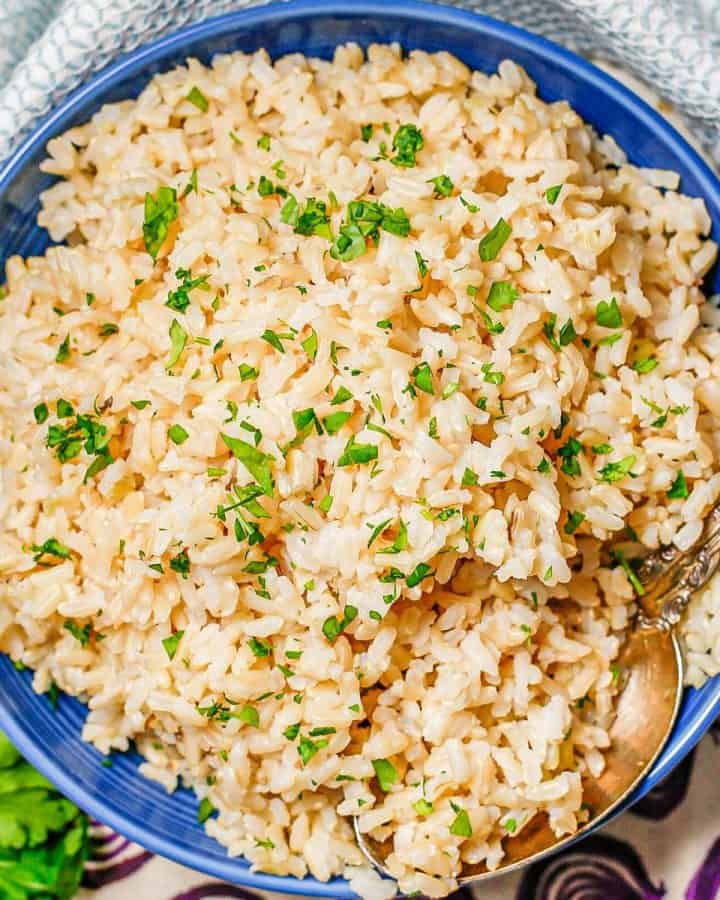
pixel 652 667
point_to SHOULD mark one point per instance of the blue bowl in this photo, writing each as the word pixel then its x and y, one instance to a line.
pixel 120 796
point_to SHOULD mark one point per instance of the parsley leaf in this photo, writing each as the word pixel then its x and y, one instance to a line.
pixel 178 340
pixel 502 296
pixel 357 454
pixel 679 489
pixel 160 212
pixel 552 193
pixel 197 98
pixel 616 471
pixel 333 627
pixel 172 643
pixel 443 185
pixel 386 774
pixel 407 142
pixel 607 314
pixel 256 462
pixel 494 240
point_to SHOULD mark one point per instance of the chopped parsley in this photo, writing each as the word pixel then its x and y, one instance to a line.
pixel 366 132
pixel 51 547
pixel 400 543
pixel 461 823
pixel 107 329
pixel 619 556
pixel 494 240
pixel 552 193
pixel 263 142
pixel 357 454
pixel 197 98
pixel 178 340
pixel 256 462
pixel 160 212
pixel 335 421
pixel 247 373
pixel 177 434
pixel 422 807
pixel 407 143
pixel 342 396
pixel 40 412
pixel 260 649
pixel 423 377
pixel 307 748
pixel 644 365
pixel 502 296
pixel 172 643
pixel 443 185
pixel 491 377
pixel 310 345
pixel 82 635
pixel 469 478
pixel 179 299
pixel 679 489
pixel 616 471
pixel 386 774
pixel 607 314
pixel 205 810
pixel 569 453
pixel 63 352
pixel 421 264
pixel 333 626
pixel 85 432
pixel 418 574
pixel 181 564
pixel 574 521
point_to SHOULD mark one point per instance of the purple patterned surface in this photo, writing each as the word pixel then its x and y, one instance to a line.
pixel 676 826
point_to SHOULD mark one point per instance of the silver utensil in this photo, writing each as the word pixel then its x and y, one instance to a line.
pixel 652 668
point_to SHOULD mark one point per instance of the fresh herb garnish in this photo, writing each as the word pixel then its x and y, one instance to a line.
pixel 333 626
pixel 160 212
pixel 494 240
pixel 172 643
pixel 197 98
pixel 386 774
pixel 407 143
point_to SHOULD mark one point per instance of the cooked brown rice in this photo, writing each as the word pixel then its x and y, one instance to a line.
pixel 440 404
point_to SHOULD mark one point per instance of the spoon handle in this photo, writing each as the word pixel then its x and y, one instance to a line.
pixel 679 575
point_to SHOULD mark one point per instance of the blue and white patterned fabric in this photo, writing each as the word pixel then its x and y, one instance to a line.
pixel 49 47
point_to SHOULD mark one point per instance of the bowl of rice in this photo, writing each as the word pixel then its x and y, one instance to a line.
pixel 337 346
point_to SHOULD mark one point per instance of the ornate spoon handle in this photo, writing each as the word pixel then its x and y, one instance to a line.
pixel 677 576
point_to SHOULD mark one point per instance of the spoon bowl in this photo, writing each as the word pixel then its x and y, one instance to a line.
pixel 651 672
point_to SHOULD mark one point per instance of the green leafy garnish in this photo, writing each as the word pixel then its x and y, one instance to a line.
pixel 181 564
pixel 247 373
pixel 366 132
pixel 461 823
pixel 197 98
pixel 423 377
pixel 349 244
pixel 256 462
pixel 616 471
pixel 443 185
pixel 418 574
pixel 172 643
pixel 40 412
pixel 574 521
pixel 333 626
pixel 63 352
pixel 494 240
pixel 178 340
pixel 205 810
pixel 679 489
pixel 552 193
pixel 44 840
pixel 160 212
pixel 179 299
pixel 51 547
pixel 386 773
pixel 630 572
pixel 335 421
pixel 502 296
pixel 423 807
pixel 260 649
pixel 177 434
pixel 263 142
pixel 607 314
pixel 569 453
pixel 307 748
pixel 357 454
pixel 407 142
pixel 644 365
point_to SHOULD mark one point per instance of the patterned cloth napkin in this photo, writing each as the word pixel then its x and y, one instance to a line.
pixel 49 47
pixel 668 846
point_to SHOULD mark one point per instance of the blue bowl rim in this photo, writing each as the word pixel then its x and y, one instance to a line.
pixel 129 64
